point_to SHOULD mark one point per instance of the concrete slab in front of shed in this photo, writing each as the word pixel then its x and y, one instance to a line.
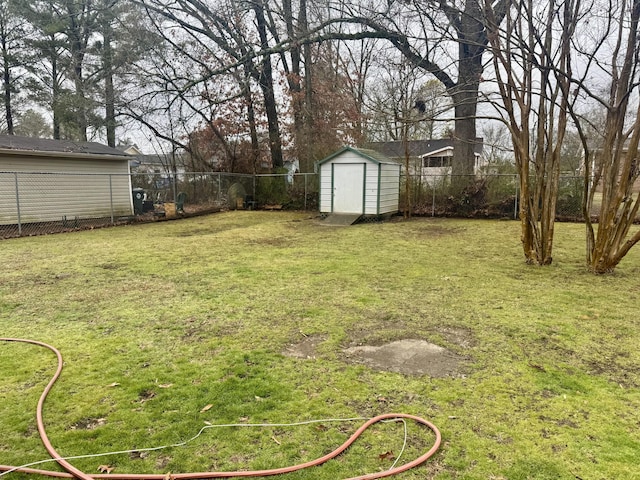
pixel 342 218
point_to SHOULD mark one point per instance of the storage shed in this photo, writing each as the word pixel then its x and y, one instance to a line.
pixel 43 180
pixel 359 181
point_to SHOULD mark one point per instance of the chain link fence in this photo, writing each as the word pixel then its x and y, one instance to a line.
pixel 486 196
pixel 41 203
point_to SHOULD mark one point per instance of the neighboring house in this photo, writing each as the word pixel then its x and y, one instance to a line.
pixel 594 160
pixel 43 180
pixel 130 149
pixel 163 164
pixel 429 158
pixel 154 173
pixel 359 181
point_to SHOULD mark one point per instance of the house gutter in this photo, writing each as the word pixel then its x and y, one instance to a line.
pixel 64 155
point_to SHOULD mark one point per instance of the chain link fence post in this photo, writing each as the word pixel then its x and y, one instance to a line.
pixel 18 204
pixel 111 200
pixel 433 199
pixel 305 191
pixel 516 200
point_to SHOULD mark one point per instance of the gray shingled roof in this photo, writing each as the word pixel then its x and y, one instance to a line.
pixel 416 148
pixel 29 144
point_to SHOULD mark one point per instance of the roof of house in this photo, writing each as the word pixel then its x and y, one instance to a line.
pixel 418 148
pixel 369 154
pixel 31 144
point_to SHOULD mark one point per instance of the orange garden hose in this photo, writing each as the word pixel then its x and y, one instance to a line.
pixel 73 472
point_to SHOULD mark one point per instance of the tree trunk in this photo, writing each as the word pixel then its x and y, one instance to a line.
pixel 109 93
pixel 6 74
pixel 472 42
pixel 464 140
pixel 465 98
pixel 251 118
pixel 6 37
pixel 617 167
pixel 265 79
pixel 77 47
pixel 294 81
pixel 535 106
pixel 306 162
pixel 55 90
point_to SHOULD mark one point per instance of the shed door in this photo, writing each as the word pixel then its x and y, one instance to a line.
pixel 348 187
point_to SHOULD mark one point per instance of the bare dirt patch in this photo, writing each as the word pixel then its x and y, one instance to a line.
pixel 411 357
pixel 306 348
pixel 89 423
pixel 459 336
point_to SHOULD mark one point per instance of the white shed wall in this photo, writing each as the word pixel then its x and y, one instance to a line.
pixel 371 189
pixel 382 179
pixel 72 187
pixel 325 187
pixel 389 188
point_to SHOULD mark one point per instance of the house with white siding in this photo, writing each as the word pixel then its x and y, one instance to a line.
pixel 359 181
pixel 428 158
pixel 44 180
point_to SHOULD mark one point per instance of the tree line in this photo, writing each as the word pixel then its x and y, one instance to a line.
pixel 238 84
pixel 244 83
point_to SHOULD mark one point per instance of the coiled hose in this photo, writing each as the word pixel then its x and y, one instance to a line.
pixel 73 472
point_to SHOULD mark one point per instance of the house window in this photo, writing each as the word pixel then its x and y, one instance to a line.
pixel 436 162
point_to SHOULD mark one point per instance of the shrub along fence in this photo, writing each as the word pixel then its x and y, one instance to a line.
pixel 486 196
pixel 39 203
pixel 201 191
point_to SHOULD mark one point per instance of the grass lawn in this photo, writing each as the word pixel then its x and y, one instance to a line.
pixel 170 326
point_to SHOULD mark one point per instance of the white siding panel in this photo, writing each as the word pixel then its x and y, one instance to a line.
pixel 8 210
pixel 83 188
pixel 389 188
pixel 371 189
pixel 325 187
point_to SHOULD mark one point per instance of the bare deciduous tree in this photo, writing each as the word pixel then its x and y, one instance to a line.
pixel 534 104
pixel 612 166
pixel 427 33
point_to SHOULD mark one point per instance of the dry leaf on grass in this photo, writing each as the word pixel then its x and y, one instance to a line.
pixel 105 468
pixel 537 367
pixel 114 384
pixel 138 455
pixel 387 456
pixel 205 408
pixel 146 395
